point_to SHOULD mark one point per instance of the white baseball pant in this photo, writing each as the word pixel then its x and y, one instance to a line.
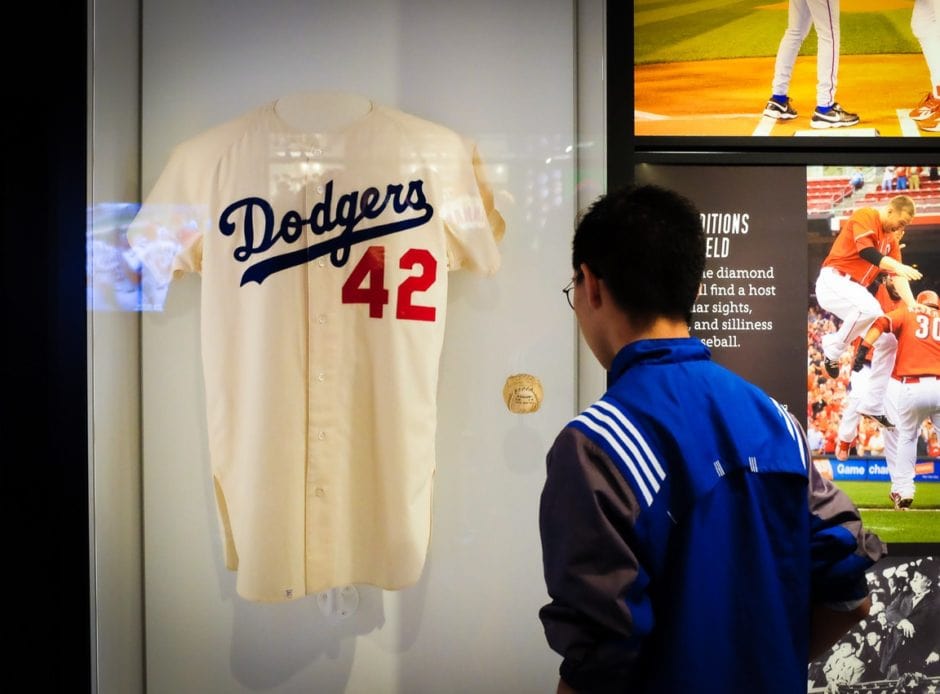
pixel 802 15
pixel 857 308
pixel 909 404
pixel 925 25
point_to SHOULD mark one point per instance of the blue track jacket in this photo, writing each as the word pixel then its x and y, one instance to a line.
pixel 685 533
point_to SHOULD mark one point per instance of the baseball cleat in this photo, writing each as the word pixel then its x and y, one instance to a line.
pixel 835 117
pixel 774 109
pixel 928 108
pixel 901 503
pixel 931 125
pixel 880 419
pixel 831 366
pixel 842 449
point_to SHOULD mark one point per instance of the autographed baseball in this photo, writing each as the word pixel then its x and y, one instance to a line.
pixel 522 393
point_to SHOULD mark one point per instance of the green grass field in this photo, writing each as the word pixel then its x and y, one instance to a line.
pixel 666 31
pixel 921 524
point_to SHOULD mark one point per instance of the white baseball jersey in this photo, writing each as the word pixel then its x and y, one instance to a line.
pixel 324 262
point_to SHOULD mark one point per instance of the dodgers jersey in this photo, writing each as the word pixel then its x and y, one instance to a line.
pixel 324 262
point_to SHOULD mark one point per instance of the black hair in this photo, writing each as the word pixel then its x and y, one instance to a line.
pixel 648 245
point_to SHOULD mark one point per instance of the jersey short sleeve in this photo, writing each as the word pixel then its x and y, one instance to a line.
pixel 471 222
pixel 166 234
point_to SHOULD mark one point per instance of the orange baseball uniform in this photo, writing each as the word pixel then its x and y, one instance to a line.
pixel 888 303
pixel 914 393
pixel 866 385
pixel 918 341
pixel 862 229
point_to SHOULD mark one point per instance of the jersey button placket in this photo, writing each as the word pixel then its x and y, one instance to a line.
pixel 320 454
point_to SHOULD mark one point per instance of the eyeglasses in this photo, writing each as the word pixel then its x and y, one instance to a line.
pixel 567 292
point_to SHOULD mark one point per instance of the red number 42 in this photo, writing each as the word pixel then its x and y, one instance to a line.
pixel 366 283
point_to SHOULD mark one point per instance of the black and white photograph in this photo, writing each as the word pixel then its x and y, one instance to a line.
pixel 897 647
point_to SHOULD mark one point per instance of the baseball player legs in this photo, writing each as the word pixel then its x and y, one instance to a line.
pixel 867 394
pixel 799 22
pixel 914 391
pixel 925 25
pixel 916 401
pixel 848 422
pixel 824 16
pixel 890 436
pixel 849 301
pixel 882 363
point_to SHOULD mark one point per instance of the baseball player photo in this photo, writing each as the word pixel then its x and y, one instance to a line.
pixel 871 417
pixel 865 68
pixel 874 271
pixel 323 228
pixel 914 390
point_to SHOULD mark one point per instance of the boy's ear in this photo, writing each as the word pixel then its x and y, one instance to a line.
pixel 592 286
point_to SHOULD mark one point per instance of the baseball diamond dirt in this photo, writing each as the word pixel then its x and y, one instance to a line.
pixel 726 97
pixel 705 68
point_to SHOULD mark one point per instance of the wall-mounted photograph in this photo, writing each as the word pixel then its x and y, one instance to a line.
pixel 895 649
pixel 857 68
pixel 873 365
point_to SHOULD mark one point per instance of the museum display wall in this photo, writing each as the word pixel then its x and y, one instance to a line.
pixel 168 614
pixel 181 95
